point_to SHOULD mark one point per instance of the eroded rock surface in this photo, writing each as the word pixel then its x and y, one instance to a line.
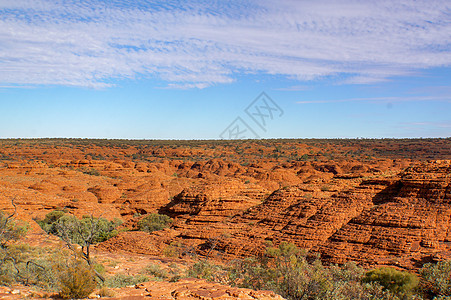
pixel 372 201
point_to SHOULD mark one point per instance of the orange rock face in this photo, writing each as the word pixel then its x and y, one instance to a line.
pixel 377 202
pixel 407 224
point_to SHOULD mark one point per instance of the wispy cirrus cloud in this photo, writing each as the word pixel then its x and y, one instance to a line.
pixel 196 44
pixel 445 124
pixel 380 99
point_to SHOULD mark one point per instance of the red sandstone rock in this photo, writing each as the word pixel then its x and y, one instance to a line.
pixel 372 208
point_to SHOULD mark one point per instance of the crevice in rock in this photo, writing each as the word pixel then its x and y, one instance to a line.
pixel 388 194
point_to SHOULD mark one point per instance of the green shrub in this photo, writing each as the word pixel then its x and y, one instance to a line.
pixel 79 231
pixel 92 171
pixel 287 271
pixel 154 222
pixel 40 272
pixel 172 250
pixel 398 282
pixel 49 220
pixel 123 280
pixel 8 272
pixel 21 263
pixel 175 274
pixel 76 279
pixel 346 284
pixel 10 230
pixel 437 279
pixel 12 256
pixel 53 216
pixel 105 292
pixel 204 270
pixel 156 271
pixel 251 273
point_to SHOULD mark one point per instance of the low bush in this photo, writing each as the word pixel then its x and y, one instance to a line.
pixel 50 219
pixel 92 171
pixel 175 274
pixel 205 270
pixel 106 292
pixel 287 271
pixel 10 229
pixel 51 270
pixel 437 279
pixel 76 279
pixel 154 222
pixel 172 250
pixel 123 280
pixel 156 271
pixel 400 283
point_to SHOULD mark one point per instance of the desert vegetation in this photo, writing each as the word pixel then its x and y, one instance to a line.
pixel 285 269
pixel 291 273
pixel 144 216
pixel 154 222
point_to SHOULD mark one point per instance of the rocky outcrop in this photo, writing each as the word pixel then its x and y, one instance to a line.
pixel 200 289
pixel 408 223
pixel 223 199
pixel 400 220
pixel 372 201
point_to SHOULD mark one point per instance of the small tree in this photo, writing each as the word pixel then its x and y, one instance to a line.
pixel 84 232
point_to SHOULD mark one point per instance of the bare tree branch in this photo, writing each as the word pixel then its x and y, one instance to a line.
pixel 15 210
pixel 4 228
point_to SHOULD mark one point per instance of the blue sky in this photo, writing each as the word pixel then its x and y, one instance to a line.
pixel 189 69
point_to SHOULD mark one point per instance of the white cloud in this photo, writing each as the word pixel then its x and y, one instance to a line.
pixel 202 43
pixel 380 99
pixel 295 88
pixel 445 124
